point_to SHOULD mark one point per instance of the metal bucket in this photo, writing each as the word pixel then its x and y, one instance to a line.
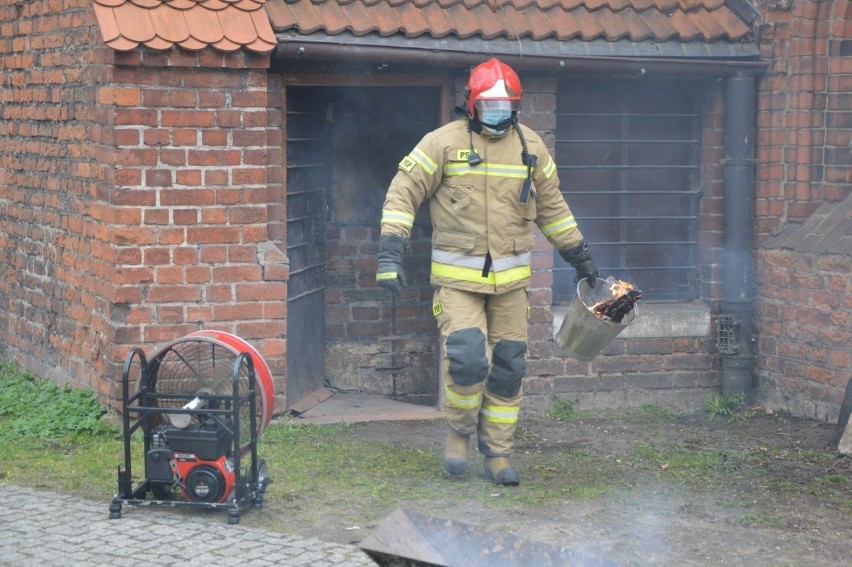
pixel 583 334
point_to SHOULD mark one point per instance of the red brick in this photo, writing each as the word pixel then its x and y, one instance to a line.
pixel 133 276
pixel 193 197
pixel 158 178
pixel 214 138
pixel 187 118
pixel 173 157
pixel 213 157
pixel 247 215
pixel 212 235
pixel 185 255
pixel 134 236
pixel 185 136
pixel 136 117
pixel 261 292
pixel 261 330
pixel 185 217
pixel 220 294
pixel 173 293
pixel 156 256
pixel 191 177
pixel 170 314
pixel 169 275
pixel 237 273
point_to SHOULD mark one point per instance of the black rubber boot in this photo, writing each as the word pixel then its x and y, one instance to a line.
pixel 501 471
pixel 455 453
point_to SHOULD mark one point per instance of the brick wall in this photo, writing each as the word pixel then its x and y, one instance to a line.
pixel 381 345
pixel 804 158
pixel 805 313
pixel 55 260
pixel 133 195
pixel 804 111
pixel 197 143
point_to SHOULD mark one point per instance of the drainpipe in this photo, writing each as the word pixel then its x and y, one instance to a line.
pixel 736 323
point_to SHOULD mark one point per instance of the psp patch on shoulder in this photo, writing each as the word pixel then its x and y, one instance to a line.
pixel 407 163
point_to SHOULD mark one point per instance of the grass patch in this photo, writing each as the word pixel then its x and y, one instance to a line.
pixel 51 437
pixel 718 406
pixel 681 462
pixel 334 465
pixel 38 409
pixel 563 410
pixel 759 521
pixel 652 413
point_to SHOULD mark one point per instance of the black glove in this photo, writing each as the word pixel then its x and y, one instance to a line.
pixel 390 275
pixel 581 260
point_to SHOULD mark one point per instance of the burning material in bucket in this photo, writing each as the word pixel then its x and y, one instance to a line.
pixel 615 309
pixel 597 316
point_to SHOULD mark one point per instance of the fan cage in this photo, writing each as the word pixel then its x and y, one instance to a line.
pixel 199 367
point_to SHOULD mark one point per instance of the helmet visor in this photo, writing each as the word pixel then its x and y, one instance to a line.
pixel 486 104
pixel 496 113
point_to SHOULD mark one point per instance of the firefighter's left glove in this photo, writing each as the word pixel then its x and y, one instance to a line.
pixel 581 260
pixel 390 275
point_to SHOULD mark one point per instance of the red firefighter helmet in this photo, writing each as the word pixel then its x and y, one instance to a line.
pixel 493 81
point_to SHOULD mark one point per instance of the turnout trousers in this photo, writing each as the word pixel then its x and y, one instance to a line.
pixel 483 362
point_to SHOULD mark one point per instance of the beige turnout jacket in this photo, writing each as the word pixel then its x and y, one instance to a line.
pixel 482 236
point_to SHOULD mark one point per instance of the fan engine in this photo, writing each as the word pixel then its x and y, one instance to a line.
pixel 202 403
pixel 197 459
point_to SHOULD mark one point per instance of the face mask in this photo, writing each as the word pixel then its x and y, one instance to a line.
pixel 495 117
pixel 493 132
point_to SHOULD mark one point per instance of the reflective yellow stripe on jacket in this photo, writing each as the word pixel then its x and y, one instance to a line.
pixel 558 226
pixel 469 268
pixel 549 168
pixel 500 414
pixel 428 165
pixel 455 169
pixel 398 217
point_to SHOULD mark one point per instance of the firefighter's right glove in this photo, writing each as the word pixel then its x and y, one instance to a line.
pixel 389 274
pixel 581 260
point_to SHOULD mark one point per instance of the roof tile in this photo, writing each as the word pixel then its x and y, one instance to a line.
pixel 226 25
pixel 204 26
pixel 634 20
pixel 169 27
pixel 229 25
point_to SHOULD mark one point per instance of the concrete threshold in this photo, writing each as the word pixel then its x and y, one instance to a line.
pixel 354 407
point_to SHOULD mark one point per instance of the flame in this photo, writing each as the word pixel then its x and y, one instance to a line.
pixel 617 288
pixel 620 287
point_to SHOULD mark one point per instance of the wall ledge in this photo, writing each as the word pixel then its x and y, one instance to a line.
pixel 657 320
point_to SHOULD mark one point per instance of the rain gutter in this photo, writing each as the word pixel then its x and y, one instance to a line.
pixel 700 60
pixel 735 324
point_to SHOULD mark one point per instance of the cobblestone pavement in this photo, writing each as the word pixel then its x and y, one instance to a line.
pixel 46 528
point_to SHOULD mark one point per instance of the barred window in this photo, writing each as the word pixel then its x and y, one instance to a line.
pixel 628 156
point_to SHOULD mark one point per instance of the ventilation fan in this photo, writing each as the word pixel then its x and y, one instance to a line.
pixel 201 402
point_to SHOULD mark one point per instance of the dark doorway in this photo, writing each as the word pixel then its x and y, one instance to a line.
pixel 308 175
pixel 343 147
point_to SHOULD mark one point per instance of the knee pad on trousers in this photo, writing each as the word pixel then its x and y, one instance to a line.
pixel 508 366
pixel 466 353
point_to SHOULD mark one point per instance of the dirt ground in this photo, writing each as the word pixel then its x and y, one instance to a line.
pixel 774 491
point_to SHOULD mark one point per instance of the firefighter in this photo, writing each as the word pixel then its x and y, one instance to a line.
pixel 487 180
